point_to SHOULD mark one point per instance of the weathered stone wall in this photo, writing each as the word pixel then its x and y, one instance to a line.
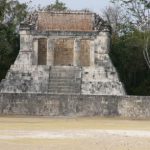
pixel 129 107
pixel 102 78
pixel 101 81
pixel 26 78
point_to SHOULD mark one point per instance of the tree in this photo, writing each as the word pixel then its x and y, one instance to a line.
pixel 139 10
pixel 117 19
pixel 127 56
pixel 11 14
pixel 129 46
pixel 57 6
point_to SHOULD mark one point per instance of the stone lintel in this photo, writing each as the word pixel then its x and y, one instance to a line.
pixel 65 33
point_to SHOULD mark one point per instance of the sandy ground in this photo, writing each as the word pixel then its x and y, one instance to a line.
pixel 23 133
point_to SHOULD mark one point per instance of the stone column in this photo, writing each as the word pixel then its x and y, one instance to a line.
pixel 104 38
pixel 76 53
pixel 107 41
pixel 35 51
pixel 92 53
pixel 50 52
pixel 25 40
pixel 25 55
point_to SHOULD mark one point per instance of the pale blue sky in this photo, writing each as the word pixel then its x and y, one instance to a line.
pixel 94 5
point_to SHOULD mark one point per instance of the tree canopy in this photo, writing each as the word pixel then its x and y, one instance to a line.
pixel 56 6
pixel 131 48
pixel 11 14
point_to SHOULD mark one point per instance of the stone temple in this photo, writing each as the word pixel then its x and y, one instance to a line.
pixel 63 53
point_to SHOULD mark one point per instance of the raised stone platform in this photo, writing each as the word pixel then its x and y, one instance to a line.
pixel 129 107
pixel 62 80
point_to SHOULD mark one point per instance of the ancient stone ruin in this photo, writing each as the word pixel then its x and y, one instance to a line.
pixel 63 53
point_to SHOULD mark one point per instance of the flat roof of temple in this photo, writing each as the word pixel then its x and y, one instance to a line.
pixel 65 21
pixel 83 21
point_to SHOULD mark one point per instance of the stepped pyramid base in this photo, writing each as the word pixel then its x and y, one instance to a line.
pixel 62 80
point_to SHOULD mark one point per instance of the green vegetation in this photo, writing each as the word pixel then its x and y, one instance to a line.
pixel 11 14
pixel 57 6
pixel 130 41
pixel 127 56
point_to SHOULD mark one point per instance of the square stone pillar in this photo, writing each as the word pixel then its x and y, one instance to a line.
pixel 25 56
pixel 35 51
pixel 104 42
pixel 50 52
pixel 76 53
pixel 92 53
pixel 25 40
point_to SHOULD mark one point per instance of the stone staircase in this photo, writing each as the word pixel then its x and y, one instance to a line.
pixel 64 80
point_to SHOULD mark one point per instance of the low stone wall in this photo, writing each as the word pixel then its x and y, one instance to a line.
pixel 130 107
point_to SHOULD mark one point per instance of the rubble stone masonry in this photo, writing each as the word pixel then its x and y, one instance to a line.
pixel 129 107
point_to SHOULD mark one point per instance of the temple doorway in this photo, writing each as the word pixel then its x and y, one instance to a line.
pixel 63 52
pixel 42 51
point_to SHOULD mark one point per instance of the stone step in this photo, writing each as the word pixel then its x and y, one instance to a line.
pixel 65 72
pixel 57 83
pixel 64 79
pixel 65 91
pixel 64 82
pixel 64 86
pixel 66 67
pixel 63 76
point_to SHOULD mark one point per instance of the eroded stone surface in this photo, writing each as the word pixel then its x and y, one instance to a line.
pixel 130 107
